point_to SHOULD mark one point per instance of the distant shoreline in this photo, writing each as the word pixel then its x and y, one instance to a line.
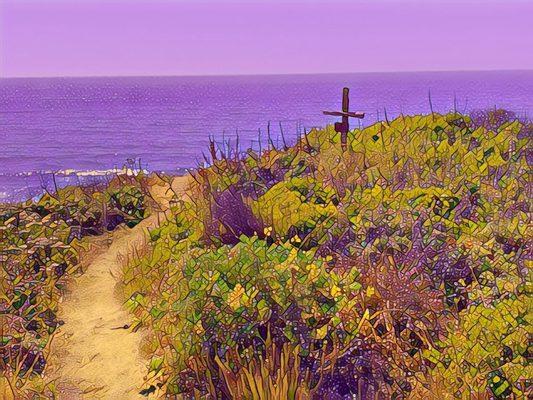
pixel 289 74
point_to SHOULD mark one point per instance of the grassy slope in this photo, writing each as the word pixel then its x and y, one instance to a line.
pixel 398 268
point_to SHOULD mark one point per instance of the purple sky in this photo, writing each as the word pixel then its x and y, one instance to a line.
pixel 191 37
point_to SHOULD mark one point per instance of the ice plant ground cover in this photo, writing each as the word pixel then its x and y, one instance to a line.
pixel 399 268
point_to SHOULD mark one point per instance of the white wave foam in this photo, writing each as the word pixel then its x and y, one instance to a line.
pixel 102 172
pixel 93 172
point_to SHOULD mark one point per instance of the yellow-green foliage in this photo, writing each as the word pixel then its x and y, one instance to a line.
pixel 298 202
pixel 436 200
pixel 486 349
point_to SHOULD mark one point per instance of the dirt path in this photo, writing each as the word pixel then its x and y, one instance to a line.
pixel 95 360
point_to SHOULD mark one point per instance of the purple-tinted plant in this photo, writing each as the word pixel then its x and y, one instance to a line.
pixel 231 216
pixel 491 119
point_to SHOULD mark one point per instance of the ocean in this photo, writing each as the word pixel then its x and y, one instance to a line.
pixel 80 129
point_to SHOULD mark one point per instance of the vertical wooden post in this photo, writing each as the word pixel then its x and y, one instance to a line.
pixel 345 124
pixel 346 100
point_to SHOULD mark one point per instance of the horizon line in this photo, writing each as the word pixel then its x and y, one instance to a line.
pixel 231 75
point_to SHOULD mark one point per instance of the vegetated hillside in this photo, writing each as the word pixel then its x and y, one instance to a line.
pixel 41 244
pixel 398 268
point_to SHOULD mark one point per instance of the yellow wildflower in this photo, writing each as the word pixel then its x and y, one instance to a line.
pixel 234 298
pixel 335 291
pixel 321 332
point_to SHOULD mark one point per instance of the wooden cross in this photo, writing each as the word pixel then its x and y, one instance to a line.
pixel 344 127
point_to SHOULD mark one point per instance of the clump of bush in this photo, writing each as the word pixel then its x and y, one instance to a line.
pixel 41 245
pixel 395 269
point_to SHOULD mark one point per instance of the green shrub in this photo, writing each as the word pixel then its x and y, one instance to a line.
pixel 429 213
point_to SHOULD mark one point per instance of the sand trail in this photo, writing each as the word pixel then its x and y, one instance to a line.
pixel 95 359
